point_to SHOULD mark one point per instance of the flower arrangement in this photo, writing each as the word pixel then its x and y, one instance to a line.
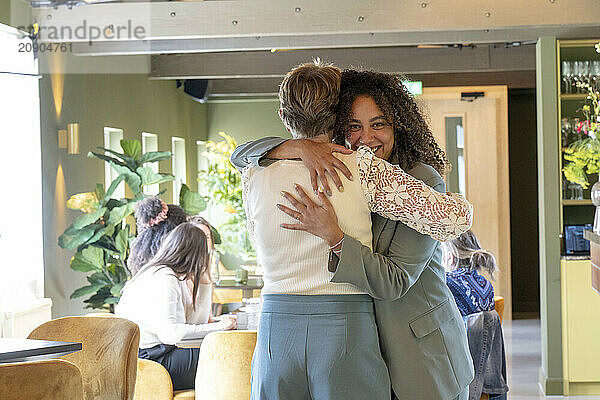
pixel 583 156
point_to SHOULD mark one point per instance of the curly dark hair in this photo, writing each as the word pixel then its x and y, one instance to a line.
pixel 413 140
pixel 149 238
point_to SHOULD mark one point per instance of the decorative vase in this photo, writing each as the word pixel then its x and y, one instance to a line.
pixel 595 193
pixel 215 259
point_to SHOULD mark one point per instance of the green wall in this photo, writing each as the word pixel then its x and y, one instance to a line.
pixel 551 371
pixel 5 12
pixel 245 120
pixel 131 102
pixel 15 13
pixel 135 104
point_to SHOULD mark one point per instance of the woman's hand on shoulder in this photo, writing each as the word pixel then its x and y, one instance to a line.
pixel 317 219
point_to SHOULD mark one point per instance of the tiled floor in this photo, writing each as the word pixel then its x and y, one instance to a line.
pixel 522 340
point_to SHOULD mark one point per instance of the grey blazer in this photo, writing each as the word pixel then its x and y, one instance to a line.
pixel 421 332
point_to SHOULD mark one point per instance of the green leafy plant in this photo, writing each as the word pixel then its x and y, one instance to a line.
pixel 223 184
pixel 101 236
pixel 583 156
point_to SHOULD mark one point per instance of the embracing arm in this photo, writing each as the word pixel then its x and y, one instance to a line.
pixel 251 153
pixel 396 195
pixel 316 153
pixel 387 277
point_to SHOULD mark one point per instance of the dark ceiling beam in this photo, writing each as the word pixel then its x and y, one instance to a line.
pixel 268 87
pixel 407 60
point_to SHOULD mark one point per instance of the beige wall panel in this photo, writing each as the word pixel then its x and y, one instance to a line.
pixel 486 162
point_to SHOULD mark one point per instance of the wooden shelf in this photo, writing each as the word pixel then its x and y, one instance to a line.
pixel 577 96
pixel 583 202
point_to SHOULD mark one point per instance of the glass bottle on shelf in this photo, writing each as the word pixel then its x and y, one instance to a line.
pixel 565 188
pixel 595 193
pixel 596 74
pixel 575 136
pixel 575 191
pixel 584 74
pixel 567 77
pixel 565 133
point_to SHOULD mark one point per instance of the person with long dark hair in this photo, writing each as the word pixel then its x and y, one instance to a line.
pixel 160 302
pixel 154 220
pixel 421 331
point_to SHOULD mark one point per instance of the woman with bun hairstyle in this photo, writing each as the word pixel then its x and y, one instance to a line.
pixel 154 219
pixel 170 300
pixel 473 292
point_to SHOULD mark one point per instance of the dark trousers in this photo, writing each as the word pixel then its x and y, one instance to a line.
pixel 181 363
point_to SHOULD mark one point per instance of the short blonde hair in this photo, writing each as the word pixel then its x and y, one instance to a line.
pixel 309 96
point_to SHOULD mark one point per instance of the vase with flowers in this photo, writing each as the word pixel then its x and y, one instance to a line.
pixel 583 155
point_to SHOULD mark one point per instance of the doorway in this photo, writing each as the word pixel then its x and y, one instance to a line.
pixel 471 125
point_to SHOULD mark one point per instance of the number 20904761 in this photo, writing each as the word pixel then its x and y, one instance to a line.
pixel 45 47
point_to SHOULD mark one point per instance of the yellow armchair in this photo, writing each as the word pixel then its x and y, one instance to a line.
pixel 153 382
pixel 108 359
pixel 41 380
pixel 499 306
pixel 224 366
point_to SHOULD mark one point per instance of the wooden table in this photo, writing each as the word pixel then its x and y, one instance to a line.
pixel 17 350
pixel 595 256
pixel 247 289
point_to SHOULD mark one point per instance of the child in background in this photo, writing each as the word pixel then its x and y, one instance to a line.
pixel 472 292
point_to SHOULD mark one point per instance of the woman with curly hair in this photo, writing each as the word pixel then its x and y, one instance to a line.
pixel 421 332
pixel 409 140
pixel 154 219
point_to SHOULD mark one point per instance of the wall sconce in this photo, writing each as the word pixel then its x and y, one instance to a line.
pixel 73 135
pixel 62 138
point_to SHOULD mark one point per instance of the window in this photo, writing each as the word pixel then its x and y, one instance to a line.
pixel 178 166
pixel 202 159
pixel 149 144
pixel 455 150
pixel 112 141
pixel 21 241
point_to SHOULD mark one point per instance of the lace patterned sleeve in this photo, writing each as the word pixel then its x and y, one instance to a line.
pixel 249 220
pixel 396 195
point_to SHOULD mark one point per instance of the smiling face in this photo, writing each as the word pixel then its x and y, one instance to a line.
pixel 368 126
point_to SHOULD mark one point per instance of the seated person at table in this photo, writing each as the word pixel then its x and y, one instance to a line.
pixel 154 219
pixel 158 299
pixel 472 292
pixel 205 227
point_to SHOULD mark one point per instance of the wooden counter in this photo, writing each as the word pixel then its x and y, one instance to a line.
pixel 595 256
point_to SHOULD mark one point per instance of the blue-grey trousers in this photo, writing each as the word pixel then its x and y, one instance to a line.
pixel 322 347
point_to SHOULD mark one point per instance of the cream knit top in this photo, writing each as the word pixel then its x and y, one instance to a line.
pixel 295 262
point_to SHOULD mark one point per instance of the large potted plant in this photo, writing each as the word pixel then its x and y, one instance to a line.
pixel 223 185
pixel 101 236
